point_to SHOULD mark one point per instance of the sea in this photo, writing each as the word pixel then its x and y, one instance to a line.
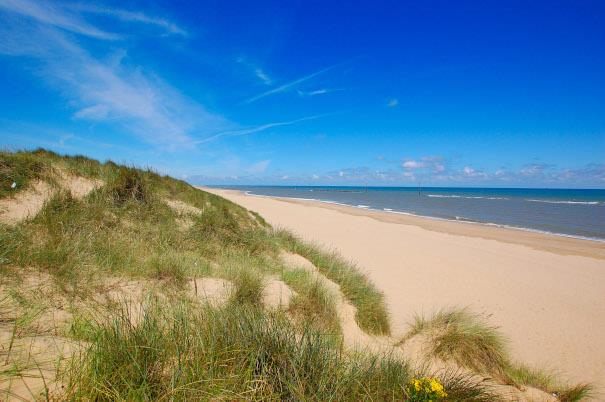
pixel 564 212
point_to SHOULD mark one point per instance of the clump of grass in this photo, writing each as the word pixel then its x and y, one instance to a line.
pixel 313 304
pixel 224 227
pixel 574 393
pixel 235 352
pixel 465 338
pixel 464 387
pixel 167 267
pixel 82 328
pixel 19 168
pixel 548 382
pixel 128 185
pixel 372 314
pixel 249 285
pixel 260 219
pixel 83 166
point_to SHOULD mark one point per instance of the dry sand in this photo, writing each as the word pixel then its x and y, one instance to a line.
pixel 546 293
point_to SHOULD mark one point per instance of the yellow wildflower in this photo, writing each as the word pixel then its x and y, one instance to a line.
pixel 427 387
pixel 417 384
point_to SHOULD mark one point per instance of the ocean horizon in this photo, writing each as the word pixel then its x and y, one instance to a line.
pixel 578 213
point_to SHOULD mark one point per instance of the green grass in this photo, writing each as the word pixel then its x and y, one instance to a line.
pixel 129 184
pixel 460 336
pixel 237 353
pixel 313 305
pixel 19 168
pixel 249 285
pixel 372 315
pixel 548 382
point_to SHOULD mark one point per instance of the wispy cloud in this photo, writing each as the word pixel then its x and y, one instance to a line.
pixel 393 102
pixel 291 84
pixel 321 91
pixel 256 129
pixel 263 76
pixel 134 16
pixel 258 167
pixel 258 72
pixel 102 89
pixel 56 16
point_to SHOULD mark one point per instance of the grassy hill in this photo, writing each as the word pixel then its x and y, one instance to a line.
pixel 121 284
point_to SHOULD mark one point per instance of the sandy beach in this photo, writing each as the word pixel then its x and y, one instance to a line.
pixel 545 292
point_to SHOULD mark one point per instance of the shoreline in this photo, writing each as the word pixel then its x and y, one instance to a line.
pixel 392 211
pixel 541 240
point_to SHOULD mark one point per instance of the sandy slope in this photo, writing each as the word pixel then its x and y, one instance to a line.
pixel 547 293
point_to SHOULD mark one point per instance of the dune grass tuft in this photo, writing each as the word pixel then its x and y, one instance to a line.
pixel 19 168
pixel 465 338
pixel 372 315
pixel 249 284
pixel 548 382
pixel 129 184
pixel 468 340
pixel 167 266
pixel 313 304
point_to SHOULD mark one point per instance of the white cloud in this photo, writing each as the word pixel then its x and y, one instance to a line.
pixel 412 164
pixel 469 171
pixel 393 102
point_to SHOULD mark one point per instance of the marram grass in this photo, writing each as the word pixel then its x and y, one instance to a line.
pixel 237 352
pixel 465 338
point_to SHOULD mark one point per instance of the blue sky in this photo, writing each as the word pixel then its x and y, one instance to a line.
pixel 446 93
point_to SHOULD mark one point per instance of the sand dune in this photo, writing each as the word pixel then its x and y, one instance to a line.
pixel 547 293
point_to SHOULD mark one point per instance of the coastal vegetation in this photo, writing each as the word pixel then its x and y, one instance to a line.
pixel 118 283
pixel 460 336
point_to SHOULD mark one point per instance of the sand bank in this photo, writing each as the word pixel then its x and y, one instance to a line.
pixel 546 293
